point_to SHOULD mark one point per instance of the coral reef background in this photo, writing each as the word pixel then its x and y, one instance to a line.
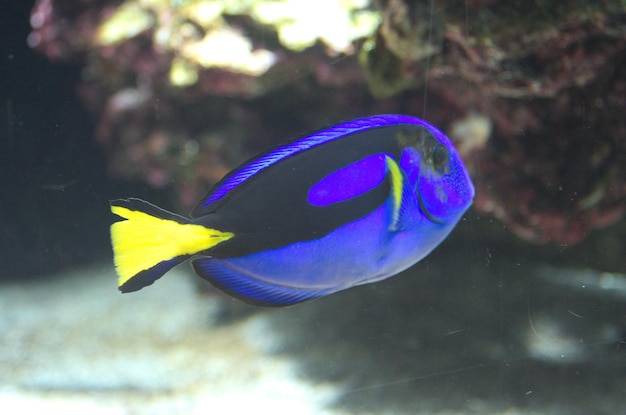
pixel 166 97
pixel 532 92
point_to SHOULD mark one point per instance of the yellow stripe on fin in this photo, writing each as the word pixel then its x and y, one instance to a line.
pixel 143 241
pixel 397 184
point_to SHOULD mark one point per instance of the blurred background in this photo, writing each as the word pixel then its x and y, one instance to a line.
pixel 521 310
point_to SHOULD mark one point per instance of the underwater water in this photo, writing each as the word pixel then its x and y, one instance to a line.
pixel 492 322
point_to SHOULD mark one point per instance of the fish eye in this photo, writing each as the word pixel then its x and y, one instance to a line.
pixel 440 156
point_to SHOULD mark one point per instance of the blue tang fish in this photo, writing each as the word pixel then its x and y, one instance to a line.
pixel 349 205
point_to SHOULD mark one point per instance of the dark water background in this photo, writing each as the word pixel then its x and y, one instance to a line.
pixel 54 190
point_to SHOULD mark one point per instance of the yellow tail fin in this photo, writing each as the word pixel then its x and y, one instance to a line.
pixel 145 240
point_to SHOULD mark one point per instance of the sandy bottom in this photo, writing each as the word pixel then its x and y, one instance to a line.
pixel 447 337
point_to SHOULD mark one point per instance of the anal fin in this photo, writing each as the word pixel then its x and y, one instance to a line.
pixel 251 290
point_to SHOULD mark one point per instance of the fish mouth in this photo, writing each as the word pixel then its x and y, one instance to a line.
pixel 424 210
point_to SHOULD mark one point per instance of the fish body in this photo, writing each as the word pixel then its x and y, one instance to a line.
pixel 348 205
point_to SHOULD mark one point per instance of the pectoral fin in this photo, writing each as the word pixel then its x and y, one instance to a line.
pixel 397 179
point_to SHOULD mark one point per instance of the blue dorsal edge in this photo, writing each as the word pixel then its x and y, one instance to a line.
pixel 256 165
pixel 249 289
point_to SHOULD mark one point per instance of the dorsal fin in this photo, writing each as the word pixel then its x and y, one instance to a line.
pixel 260 163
